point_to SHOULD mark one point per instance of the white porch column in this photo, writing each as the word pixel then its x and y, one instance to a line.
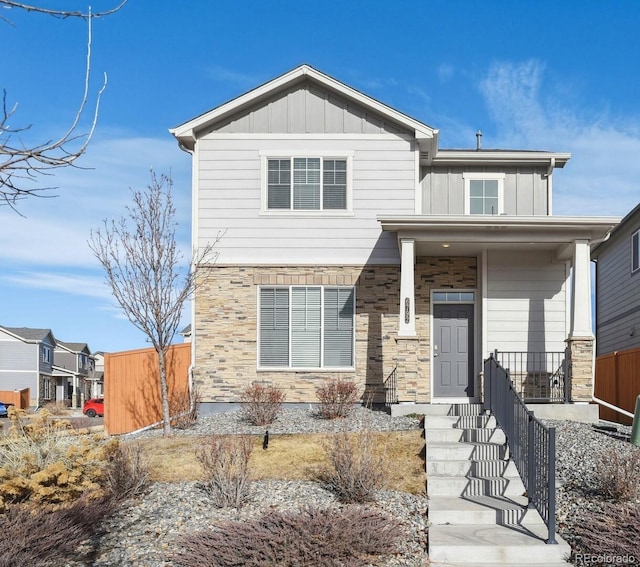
pixel 581 283
pixel 407 327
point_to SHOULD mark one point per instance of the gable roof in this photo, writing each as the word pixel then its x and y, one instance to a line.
pixel 29 334
pixel 631 218
pixel 187 133
pixel 74 347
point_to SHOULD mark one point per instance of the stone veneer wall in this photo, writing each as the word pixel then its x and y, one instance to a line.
pixel 580 367
pixel 225 327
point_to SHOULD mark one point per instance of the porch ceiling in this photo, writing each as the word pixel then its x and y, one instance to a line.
pixel 454 235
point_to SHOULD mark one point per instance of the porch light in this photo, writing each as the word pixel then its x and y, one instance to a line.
pixel 446 245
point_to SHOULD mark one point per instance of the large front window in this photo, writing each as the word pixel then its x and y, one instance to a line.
pixel 306 327
pixel 306 183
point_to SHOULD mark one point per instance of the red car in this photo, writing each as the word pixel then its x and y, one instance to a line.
pixel 93 407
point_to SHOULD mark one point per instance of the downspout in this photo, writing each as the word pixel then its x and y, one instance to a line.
pixel 548 176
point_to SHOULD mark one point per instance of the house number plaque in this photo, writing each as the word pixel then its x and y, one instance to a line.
pixel 407 317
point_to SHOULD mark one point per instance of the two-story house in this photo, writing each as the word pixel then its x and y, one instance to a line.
pixel 26 361
pixel 72 365
pixel 354 246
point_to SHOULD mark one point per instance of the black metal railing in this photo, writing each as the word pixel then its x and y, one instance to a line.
pixel 391 388
pixel 532 445
pixel 537 376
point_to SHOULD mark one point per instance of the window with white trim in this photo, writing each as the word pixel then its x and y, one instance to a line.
pixel 635 251
pixel 46 354
pixel 46 389
pixel 306 327
pixel 484 193
pixel 307 184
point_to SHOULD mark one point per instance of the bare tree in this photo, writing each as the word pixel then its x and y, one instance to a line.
pixel 142 265
pixel 22 164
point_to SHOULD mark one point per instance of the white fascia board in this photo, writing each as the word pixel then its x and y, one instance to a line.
pixel 187 132
pixel 499 226
pixel 450 157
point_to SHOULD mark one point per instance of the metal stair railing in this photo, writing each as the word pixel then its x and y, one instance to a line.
pixel 391 388
pixel 532 445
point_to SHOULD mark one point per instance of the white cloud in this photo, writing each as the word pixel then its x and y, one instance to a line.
pixel 601 178
pixel 77 284
pixel 55 231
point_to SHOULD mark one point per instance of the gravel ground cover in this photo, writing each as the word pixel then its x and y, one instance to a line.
pixel 143 531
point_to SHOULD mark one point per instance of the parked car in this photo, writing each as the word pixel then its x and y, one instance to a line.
pixel 6 405
pixel 93 407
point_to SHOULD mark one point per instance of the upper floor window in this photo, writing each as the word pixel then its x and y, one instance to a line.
pixel 46 354
pixel 82 361
pixel 311 183
pixel 306 327
pixel 635 251
pixel 484 193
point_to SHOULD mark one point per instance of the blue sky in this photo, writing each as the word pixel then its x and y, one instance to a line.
pixel 538 74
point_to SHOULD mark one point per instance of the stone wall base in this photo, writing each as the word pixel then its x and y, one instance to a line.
pixel 580 368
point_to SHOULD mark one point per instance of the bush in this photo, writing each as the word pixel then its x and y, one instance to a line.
pixel 355 472
pixel 618 475
pixel 126 473
pixel 225 460
pixel 328 537
pixel 45 461
pixel 337 398
pixel 612 530
pixel 261 403
pixel 38 536
pixel 183 405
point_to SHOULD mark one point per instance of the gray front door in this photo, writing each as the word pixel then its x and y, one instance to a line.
pixel 453 351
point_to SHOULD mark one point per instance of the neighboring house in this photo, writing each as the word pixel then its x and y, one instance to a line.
pixel 73 363
pixel 96 376
pixel 618 287
pixel 186 334
pixel 26 361
pixel 354 246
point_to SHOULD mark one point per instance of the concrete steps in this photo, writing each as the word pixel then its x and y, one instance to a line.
pixel 478 511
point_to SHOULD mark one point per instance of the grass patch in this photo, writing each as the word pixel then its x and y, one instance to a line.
pixel 289 457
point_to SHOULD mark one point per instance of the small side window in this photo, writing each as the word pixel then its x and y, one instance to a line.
pixel 635 251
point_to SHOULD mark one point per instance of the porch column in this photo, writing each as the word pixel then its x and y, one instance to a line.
pixel 581 299
pixel 407 327
pixel 581 341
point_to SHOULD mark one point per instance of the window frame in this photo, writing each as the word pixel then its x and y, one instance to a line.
pixel 322 367
pixel 46 354
pixel 297 154
pixel 483 176
pixel 635 252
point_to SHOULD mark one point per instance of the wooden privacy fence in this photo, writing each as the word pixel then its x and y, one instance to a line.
pixel 19 398
pixel 618 382
pixel 132 387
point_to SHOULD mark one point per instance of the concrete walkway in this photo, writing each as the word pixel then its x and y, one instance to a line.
pixel 477 509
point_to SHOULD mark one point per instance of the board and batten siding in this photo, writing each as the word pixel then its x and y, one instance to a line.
pixel 306 108
pixel 618 305
pixel 525 190
pixel 526 302
pixel 229 191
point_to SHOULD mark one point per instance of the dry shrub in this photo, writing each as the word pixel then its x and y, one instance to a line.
pixel 127 472
pixel 38 536
pixel 225 460
pixel 618 475
pixel 183 405
pixel 56 408
pixel 260 403
pixel 322 537
pixel 355 471
pixel 613 530
pixel 45 461
pixel 337 398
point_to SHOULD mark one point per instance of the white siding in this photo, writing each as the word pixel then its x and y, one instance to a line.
pixel 229 199
pixel 526 302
